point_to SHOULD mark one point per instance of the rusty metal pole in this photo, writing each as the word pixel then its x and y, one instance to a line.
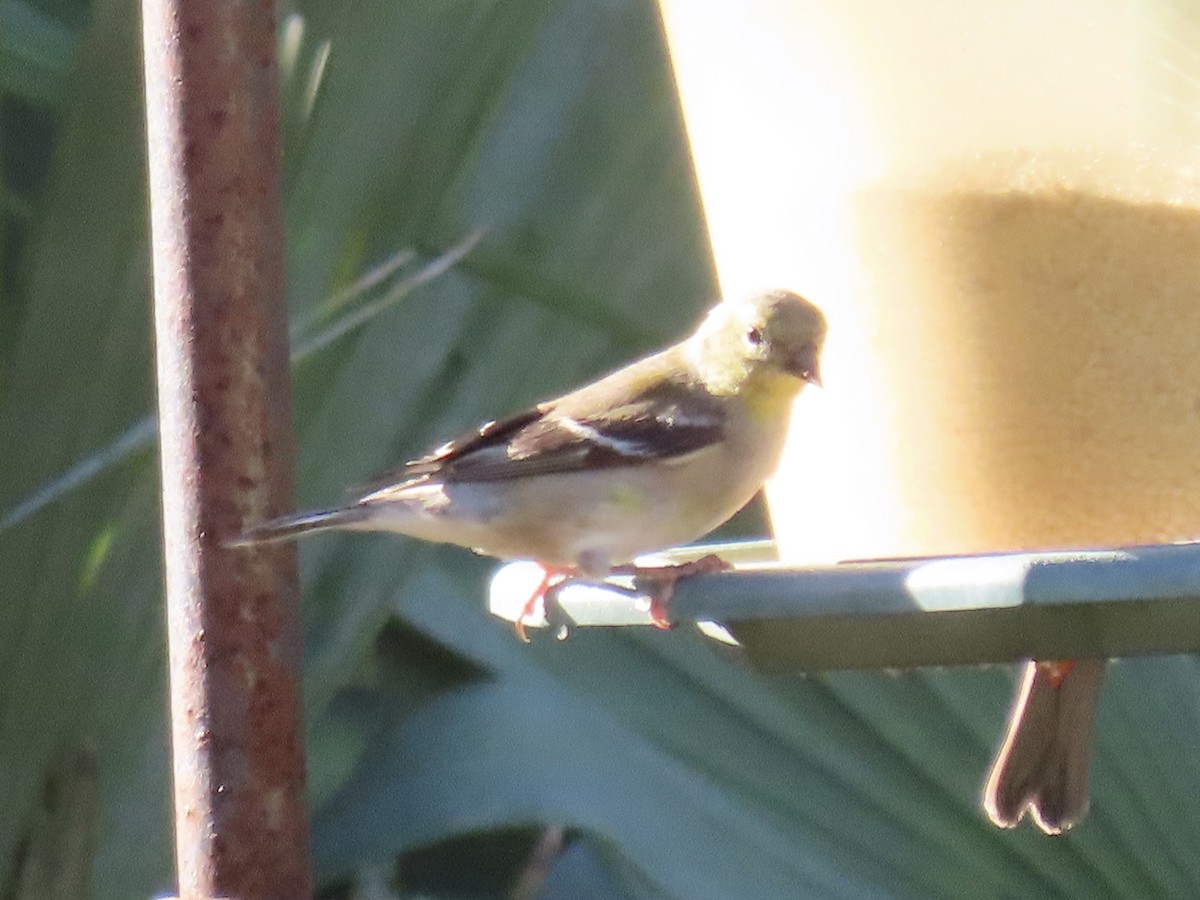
pixel 212 124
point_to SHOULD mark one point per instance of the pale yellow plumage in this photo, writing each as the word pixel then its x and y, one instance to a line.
pixel 654 455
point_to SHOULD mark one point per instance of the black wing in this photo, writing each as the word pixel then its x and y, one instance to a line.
pixel 637 417
pixel 488 435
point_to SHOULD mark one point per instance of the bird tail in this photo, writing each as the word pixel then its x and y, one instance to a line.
pixel 1042 765
pixel 290 527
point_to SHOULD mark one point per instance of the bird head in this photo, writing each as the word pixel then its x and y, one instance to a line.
pixel 775 330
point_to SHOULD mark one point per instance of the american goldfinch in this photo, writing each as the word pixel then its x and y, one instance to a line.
pixel 1042 766
pixel 654 455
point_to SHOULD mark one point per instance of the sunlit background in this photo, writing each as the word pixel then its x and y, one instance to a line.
pixel 995 205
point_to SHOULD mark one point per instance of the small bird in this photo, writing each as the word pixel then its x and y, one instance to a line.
pixel 656 454
pixel 1042 765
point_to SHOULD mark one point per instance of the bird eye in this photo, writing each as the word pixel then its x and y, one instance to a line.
pixel 754 336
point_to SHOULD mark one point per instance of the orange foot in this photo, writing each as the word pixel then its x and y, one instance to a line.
pixel 659 582
pixel 552 577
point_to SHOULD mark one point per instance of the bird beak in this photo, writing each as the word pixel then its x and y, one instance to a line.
pixel 805 366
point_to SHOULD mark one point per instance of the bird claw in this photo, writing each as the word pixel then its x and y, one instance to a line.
pixel 655 582
pixel 658 582
pixel 660 614
pixel 557 618
pixel 545 595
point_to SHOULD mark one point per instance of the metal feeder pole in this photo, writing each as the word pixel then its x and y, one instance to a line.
pixel 212 120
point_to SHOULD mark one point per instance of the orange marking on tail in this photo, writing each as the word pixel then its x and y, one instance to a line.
pixel 1057 670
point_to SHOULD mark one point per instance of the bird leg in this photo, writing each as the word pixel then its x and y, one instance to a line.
pixel 659 582
pixel 553 577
